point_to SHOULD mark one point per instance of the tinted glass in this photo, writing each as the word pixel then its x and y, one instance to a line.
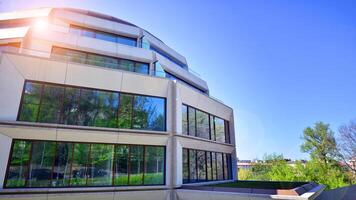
pixel 51 104
pixel 62 165
pixel 126 41
pixel 184 120
pixel 103 61
pixel 208 166
pixel 185 166
pixel 79 165
pixel 212 128
pixel 149 113
pixel 226 172
pixel 100 165
pixel 136 165
pixel 219 129
pixel 191 118
pixel 220 170
pixel 40 173
pixel 71 106
pixel 141 68
pixel 192 166
pixel 202 120
pixel 18 169
pixel 126 65
pixel 201 165
pixel 213 166
pixel 88 33
pixel 88 107
pixel 31 101
pixel 122 165
pixel 107 109
pixel 106 36
pixel 125 111
pixel 154 165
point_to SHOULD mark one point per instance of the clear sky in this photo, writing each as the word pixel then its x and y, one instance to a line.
pixel 281 65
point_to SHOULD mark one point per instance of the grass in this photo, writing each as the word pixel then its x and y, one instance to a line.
pixel 261 184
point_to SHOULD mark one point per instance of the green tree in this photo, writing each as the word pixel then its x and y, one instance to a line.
pixel 319 142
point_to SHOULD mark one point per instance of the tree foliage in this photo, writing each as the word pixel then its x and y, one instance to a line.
pixel 323 168
pixel 319 142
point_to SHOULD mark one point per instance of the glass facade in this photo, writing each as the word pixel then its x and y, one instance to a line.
pixel 201 124
pixel 99 60
pixel 68 164
pixel 201 166
pixel 110 37
pixel 51 103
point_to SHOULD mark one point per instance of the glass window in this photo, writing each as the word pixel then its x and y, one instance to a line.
pixel 219 129
pixel 18 169
pixel 121 165
pixel 31 102
pixel 40 173
pixel 107 109
pixel 136 165
pixel 51 104
pixel 149 113
pixel 185 166
pixel 126 41
pixel 100 165
pixel 68 54
pixel 71 106
pixel 159 72
pixel 154 165
pixel 88 33
pixel 125 111
pixel 213 166
pixel 88 105
pixel 227 132
pixel 202 120
pixel 212 128
pixel 226 171
pixel 192 165
pixel 192 123
pixel 201 165
pixel 105 36
pixel 141 68
pixel 126 65
pixel 208 166
pixel 219 159
pixel 103 61
pixel 184 120
pixel 79 165
pixel 62 165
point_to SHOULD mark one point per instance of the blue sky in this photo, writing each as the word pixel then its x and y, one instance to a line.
pixel 281 65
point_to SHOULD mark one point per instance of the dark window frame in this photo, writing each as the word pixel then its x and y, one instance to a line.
pixel 86 88
pixel 226 125
pixel 87 163
pixel 229 167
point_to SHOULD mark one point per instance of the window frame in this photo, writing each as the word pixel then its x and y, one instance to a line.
pixel 61 121
pixel 211 119
pixel 87 163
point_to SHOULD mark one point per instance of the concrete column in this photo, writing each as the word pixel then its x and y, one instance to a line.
pixel 5 146
pixel 232 140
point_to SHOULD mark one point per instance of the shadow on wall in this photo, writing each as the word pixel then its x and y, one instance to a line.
pixel 344 193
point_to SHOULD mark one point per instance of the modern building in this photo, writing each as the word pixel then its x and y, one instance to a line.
pixel 95 107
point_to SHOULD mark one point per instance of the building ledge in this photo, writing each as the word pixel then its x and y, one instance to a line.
pixel 205 140
pixel 8 191
pixel 89 128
